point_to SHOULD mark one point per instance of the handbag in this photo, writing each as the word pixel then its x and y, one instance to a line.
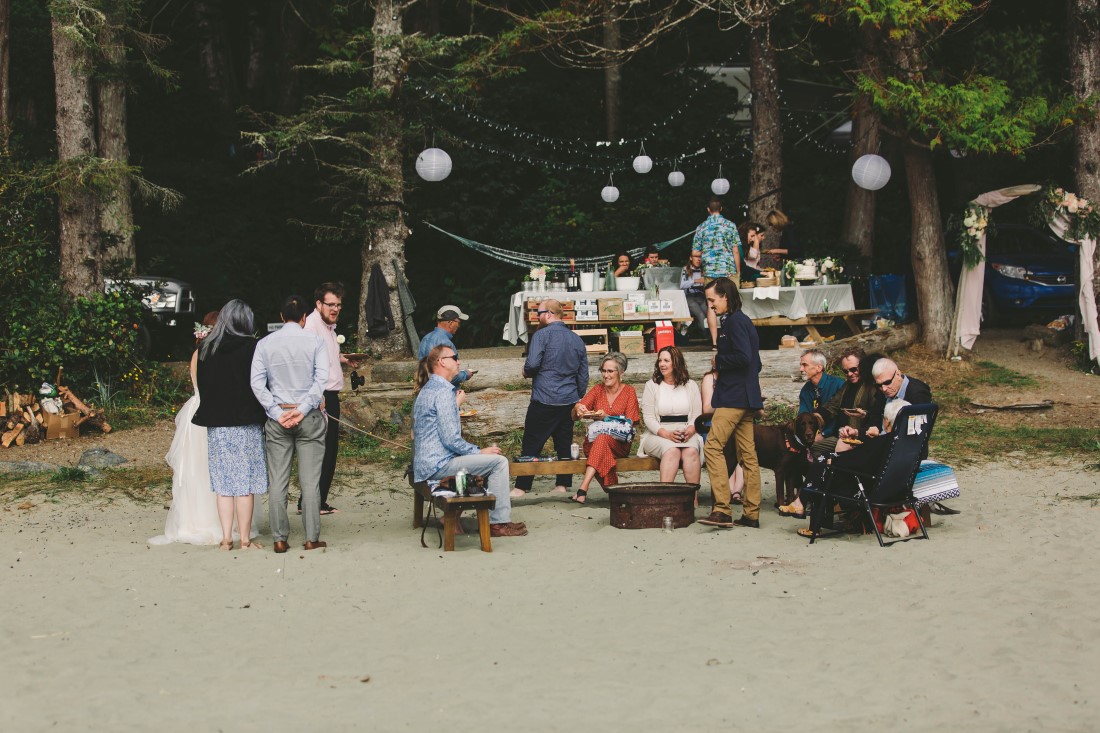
pixel 616 426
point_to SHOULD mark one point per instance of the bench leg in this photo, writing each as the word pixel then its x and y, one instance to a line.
pixel 418 509
pixel 449 520
pixel 814 334
pixel 483 530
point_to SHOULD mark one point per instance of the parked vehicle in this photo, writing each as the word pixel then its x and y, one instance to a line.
pixel 170 303
pixel 1028 271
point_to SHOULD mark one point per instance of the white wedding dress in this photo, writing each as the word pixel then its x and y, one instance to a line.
pixel 193 518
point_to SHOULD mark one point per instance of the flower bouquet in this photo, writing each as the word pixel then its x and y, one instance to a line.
pixel 1083 221
pixel 974 222
pixel 829 269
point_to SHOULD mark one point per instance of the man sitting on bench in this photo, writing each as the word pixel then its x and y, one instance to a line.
pixel 439 450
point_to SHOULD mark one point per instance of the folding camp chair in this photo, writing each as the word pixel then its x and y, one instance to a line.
pixel 889 486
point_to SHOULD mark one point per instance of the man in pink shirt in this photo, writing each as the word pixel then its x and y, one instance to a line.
pixel 322 321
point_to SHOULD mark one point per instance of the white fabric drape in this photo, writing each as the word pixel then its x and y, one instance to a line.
pixel 968 303
pixel 1086 296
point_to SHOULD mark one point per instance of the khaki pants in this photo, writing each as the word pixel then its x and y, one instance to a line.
pixel 733 424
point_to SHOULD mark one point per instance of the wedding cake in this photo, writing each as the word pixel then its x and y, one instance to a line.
pixel 805 272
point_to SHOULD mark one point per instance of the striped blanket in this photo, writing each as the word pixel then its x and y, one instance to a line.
pixel 934 482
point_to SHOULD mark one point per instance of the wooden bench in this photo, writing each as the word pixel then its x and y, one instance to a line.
pixel 450 508
pixel 550 468
pixel 811 321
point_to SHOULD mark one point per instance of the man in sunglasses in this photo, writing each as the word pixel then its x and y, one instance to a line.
pixel 893 385
pixel 849 407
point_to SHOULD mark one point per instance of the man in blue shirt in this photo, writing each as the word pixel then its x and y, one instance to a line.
pixel 819 387
pixel 289 372
pixel 557 363
pixel 448 319
pixel 440 451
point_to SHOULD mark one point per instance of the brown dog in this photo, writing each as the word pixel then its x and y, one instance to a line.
pixel 784 449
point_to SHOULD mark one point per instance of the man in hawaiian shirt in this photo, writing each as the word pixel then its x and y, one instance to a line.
pixel 717 239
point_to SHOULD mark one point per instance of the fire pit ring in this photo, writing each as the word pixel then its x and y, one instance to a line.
pixel 645 505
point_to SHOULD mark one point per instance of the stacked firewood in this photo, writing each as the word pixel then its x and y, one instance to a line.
pixel 23 420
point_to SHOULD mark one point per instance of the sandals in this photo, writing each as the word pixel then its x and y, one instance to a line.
pixel 226 545
pixel 735 498
pixel 580 497
pixel 805 532
pixel 251 546
pixel 787 511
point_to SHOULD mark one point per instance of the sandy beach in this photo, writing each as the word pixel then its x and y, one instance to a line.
pixel 990 626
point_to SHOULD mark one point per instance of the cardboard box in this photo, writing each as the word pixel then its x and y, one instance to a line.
pixel 629 342
pixel 610 309
pixel 62 426
pixel 659 336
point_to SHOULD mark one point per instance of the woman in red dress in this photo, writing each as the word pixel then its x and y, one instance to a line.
pixel 610 397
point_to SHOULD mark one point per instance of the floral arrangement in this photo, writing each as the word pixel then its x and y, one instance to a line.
pixel 830 266
pixel 537 273
pixel 974 222
pixel 202 331
pixel 1083 218
pixel 789 268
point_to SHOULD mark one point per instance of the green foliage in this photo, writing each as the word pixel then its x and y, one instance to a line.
pixel 44 329
pixel 995 375
pixel 67 475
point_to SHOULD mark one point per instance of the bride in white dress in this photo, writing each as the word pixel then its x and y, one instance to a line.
pixel 193 518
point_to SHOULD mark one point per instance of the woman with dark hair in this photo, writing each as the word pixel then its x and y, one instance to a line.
pixel 670 404
pixel 736 399
pixel 752 244
pixel 234 420
pixel 193 517
pixel 621 265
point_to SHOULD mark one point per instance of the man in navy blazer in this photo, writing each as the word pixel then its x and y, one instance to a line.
pixel 736 400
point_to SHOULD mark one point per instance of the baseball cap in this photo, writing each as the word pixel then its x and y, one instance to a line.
pixel 450 313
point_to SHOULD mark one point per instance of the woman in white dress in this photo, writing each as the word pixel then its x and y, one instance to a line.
pixel 193 518
pixel 670 404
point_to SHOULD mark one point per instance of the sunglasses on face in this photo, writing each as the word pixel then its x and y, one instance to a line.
pixel 887 382
pixel 852 370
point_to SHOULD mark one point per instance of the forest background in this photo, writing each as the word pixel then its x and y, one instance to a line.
pixel 272 152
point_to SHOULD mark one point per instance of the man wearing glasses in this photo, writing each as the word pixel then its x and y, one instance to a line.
pixel 439 449
pixel 848 408
pixel 558 365
pixel 447 320
pixel 893 385
pixel 329 301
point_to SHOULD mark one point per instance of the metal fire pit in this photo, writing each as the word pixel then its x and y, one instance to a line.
pixel 645 505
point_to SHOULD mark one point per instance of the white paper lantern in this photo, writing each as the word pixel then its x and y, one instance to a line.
pixel 610 194
pixel 720 186
pixel 643 164
pixel 871 172
pixel 433 164
pixel 675 178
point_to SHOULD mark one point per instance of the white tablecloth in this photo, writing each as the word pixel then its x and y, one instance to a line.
pixel 515 330
pixel 794 303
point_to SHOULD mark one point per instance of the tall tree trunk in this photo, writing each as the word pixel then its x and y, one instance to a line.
pixel 5 73
pixel 935 297
pixel 766 174
pixel 257 55
pixel 116 215
pixel 612 79
pixel 1084 75
pixel 859 212
pixel 214 57
pixel 77 204
pixel 386 241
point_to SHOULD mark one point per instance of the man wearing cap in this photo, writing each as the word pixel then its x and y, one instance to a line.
pixel 448 319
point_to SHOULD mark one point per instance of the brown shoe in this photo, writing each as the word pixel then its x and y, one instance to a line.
pixel 316 545
pixel 744 521
pixel 718 519
pixel 281 546
pixel 507 529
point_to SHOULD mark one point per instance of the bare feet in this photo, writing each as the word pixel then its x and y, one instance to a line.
pixel 251 546
pixel 560 490
pixel 517 493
